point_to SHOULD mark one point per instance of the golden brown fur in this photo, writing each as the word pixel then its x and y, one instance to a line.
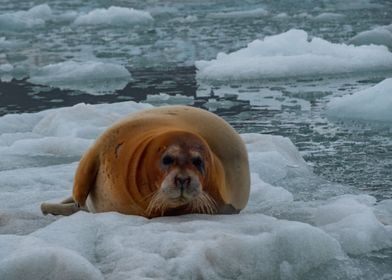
pixel 164 161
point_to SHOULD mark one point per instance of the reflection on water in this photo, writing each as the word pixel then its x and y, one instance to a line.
pixel 356 154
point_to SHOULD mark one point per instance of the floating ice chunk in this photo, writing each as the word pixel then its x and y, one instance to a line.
pixel 328 17
pixel 354 225
pixel 10 44
pixel 165 99
pixel 378 36
pixel 81 120
pixel 32 259
pixel 281 16
pixel 91 76
pixel 291 54
pixel 58 133
pixel 342 207
pixel 187 19
pixel 250 245
pixel 253 246
pixel 6 68
pixel 383 211
pixel 259 12
pixel 264 195
pixel 5 72
pixel 372 104
pixel 114 16
pixel 35 17
pixel 273 157
pixel 59 146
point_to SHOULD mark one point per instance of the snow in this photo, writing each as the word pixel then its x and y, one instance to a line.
pixel 293 54
pixel 37 16
pixel 265 241
pixel 371 104
pixel 90 76
pixel 114 16
pixel 381 35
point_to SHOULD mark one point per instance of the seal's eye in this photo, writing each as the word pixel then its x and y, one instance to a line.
pixel 198 163
pixel 167 160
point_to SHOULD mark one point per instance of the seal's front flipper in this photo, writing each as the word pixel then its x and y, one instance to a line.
pixel 64 209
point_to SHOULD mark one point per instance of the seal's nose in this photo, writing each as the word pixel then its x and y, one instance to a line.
pixel 182 181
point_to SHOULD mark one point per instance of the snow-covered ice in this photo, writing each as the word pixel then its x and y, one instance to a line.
pixel 318 244
pixel 91 76
pixel 32 18
pixel 114 16
pixel 293 54
pixel 372 104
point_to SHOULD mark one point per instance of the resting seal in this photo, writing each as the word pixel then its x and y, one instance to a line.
pixel 164 161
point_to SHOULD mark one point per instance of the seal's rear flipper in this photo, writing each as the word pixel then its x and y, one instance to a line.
pixel 66 208
pixel 85 176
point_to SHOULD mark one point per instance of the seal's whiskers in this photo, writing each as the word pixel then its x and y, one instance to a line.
pixel 204 204
pixel 158 203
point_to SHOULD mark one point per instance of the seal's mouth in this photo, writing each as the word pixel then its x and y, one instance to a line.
pixel 180 200
pixel 201 203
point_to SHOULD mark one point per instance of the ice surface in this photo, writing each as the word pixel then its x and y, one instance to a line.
pixel 293 54
pixel 319 243
pixel 34 18
pixel 352 221
pixel 94 77
pixel 372 104
pixel 273 157
pixel 381 35
pixel 29 257
pixel 114 16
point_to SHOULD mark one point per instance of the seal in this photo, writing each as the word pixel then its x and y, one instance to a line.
pixel 163 161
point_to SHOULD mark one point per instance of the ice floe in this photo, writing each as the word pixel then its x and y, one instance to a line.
pixel 32 18
pixel 94 77
pixel 372 104
pixel 381 35
pixel 293 54
pixel 114 16
pixel 328 17
pixel 320 241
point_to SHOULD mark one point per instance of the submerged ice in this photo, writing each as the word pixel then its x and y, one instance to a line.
pixel 114 16
pixel 89 76
pixel 278 235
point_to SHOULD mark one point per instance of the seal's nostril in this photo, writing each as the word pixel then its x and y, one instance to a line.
pixel 182 181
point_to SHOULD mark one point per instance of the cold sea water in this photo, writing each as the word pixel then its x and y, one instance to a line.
pixel 160 49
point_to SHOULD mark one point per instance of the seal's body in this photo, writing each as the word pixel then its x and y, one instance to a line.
pixel 164 161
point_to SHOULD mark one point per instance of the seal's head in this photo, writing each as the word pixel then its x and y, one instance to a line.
pixel 182 161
